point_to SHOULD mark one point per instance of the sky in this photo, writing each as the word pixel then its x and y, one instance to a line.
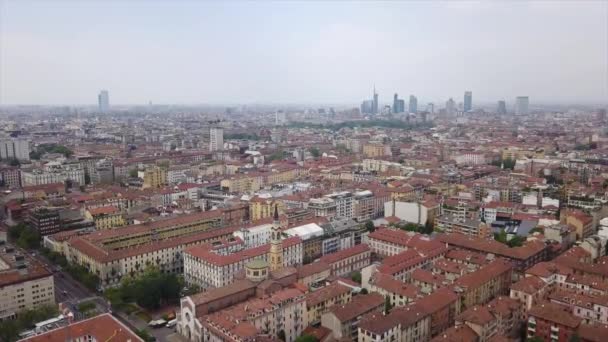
pixel 204 52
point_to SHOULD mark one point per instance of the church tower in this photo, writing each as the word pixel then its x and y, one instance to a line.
pixel 276 245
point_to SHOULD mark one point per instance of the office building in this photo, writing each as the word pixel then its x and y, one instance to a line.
pixel 398 104
pixel 103 100
pixel 413 105
pixel 521 105
pixel 367 107
pixel 216 138
pixel 15 149
pixel 430 107
pixel 502 108
pixel 450 107
pixel 468 101
pixel 375 102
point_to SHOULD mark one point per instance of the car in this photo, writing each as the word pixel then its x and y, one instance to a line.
pixel 65 293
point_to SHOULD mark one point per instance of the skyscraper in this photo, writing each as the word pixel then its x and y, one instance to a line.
pixel 413 105
pixel 502 107
pixel 468 100
pixel 521 105
pixel 430 107
pixel 216 138
pixel 398 104
pixel 103 100
pixel 367 107
pixel 375 102
pixel 450 107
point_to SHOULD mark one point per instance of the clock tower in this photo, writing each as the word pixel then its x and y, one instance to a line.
pixel 276 245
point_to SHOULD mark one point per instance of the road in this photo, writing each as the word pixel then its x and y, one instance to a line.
pixel 71 293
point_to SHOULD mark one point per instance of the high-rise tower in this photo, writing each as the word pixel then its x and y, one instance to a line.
pixel 468 101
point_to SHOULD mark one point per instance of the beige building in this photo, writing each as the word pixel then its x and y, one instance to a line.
pixel 24 283
pixel 320 301
pixel 154 177
pixel 343 320
pixel 112 254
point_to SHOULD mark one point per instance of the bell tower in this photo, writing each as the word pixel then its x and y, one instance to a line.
pixel 276 245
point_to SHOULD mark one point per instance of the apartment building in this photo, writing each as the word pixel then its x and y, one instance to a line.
pixel 320 301
pixel 551 322
pixel 403 324
pixel 206 268
pixel 486 283
pixel 107 217
pixel 343 320
pixel 348 260
pixel 112 254
pixel 25 283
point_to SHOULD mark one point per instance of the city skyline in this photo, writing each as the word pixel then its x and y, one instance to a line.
pixel 304 53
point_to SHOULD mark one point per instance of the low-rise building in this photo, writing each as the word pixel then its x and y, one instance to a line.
pixel 343 320
pixel 348 260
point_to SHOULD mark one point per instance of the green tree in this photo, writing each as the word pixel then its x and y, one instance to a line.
pixel 133 173
pixel 369 226
pixel 278 155
pixel 516 241
pixel 387 305
pixel 501 236
pixel 356 277
pixel 315 152
pixel 363 291
pixel 306 338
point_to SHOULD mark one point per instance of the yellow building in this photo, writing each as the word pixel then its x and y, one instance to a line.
pixel 241 184
pixel 320 301
pixel 374 150
pixel 260 208
pixel 154 177
pixel 107 217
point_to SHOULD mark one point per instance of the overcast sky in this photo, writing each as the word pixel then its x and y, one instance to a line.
pixel 64 52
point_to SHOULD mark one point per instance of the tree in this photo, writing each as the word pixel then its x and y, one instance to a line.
pixel 387 305
pixel 516 241
pixel 306 338
pixel 133 173
pixel 369 226
pixel 315 152
pixel 363 291
pixel 356 277
pixel 501 236
pixel 428 228
pixel 14 162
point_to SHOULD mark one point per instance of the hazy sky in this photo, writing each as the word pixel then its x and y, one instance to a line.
pixel 64 52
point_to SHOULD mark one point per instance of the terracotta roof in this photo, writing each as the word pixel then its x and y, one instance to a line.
pixel 358 306
pixel 312 268
pixel 461 333
pixel 593 332
pixel 206 254
pixel 102 328
pixel 323 294
pixel 345 253
pixel 529 285
pixel 484 274
pixel 554 313
pixel 110 209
